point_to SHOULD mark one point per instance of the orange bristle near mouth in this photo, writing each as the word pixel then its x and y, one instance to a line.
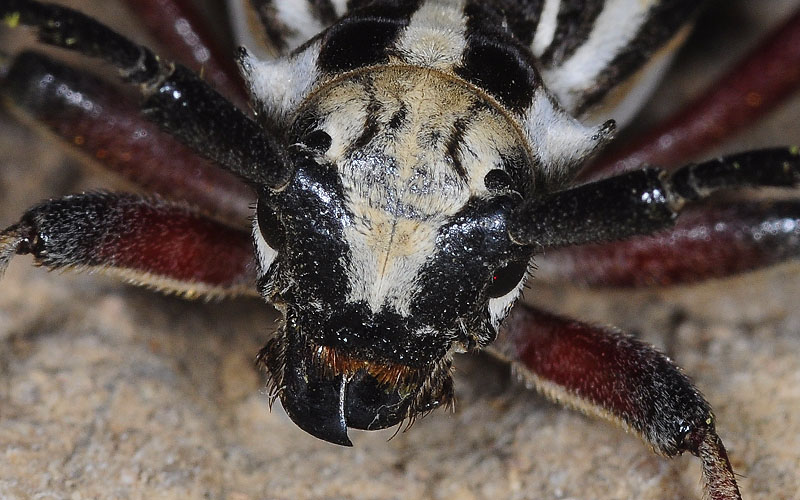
pixel 393 375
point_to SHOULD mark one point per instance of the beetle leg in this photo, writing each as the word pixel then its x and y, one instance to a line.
pixel 766 76
pixel 146 241
pixel 709 241
pixel 176 99
pixel 95 117
pixel 619 378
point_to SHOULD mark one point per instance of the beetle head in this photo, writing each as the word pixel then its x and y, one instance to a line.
pixel 388 250
pixel 372 319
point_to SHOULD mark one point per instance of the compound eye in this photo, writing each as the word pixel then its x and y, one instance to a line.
pixel 269 225
pixel 506 279
pixel 498 181
pixel 318 140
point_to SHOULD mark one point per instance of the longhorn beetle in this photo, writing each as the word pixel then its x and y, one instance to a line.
pixel 410 163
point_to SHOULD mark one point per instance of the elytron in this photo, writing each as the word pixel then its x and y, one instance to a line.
pixel 411 160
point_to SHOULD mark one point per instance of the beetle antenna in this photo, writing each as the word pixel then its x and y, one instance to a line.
pixel 644 201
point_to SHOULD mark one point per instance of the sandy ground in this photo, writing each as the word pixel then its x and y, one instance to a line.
pixel 107 391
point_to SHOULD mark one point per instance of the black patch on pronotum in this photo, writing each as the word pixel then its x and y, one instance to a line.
pixel 366 37
pixel 521 17
pixel 495 61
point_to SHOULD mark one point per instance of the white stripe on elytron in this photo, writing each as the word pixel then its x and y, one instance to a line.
pixel 615 27
pixel 546 29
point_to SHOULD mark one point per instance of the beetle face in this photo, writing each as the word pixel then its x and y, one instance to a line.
pixel 385 261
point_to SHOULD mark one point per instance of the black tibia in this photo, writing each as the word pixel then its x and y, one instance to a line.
pixel 617 377
pixel 144 240
pixel 643 201
pixel 174 97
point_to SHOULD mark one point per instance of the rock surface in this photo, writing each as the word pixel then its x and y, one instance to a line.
pixel 107 391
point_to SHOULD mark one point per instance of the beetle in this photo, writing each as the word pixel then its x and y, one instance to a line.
pixel 381 424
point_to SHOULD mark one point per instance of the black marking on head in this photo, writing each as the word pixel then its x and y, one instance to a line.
pixel 271 228
pixel 365 37
pixel 498 181
pixel 506 278
pixel 495 61
pixel 469 249
pixel 313 253
pixel 382 336
pixel 398 119
pixel 455 143
pixel 318 140
pixel 431 138
pixel 372 126
pixel 574 23
pixel 663 21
